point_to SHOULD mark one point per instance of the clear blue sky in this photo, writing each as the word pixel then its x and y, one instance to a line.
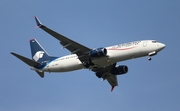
pixel 148 86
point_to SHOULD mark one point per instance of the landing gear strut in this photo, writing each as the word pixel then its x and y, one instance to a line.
pixel 151 54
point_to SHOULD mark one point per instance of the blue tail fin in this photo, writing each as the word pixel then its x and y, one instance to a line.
pixel 38 53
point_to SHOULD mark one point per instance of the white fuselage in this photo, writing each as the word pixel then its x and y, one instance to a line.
pixel 115 54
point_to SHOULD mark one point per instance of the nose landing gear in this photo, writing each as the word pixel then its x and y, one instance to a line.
pixel 149 58
pixel 151 54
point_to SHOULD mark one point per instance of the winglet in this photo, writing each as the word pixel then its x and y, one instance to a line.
pixel 37 21
pixel 112 88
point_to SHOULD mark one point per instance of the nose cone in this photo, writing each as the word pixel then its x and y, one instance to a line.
pixel 161 46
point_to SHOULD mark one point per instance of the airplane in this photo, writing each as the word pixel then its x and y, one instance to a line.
pixel 102 61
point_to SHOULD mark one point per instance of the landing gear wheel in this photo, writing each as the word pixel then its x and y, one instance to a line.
pixel 149 58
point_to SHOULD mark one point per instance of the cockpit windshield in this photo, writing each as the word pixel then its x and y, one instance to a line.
pixel 154 41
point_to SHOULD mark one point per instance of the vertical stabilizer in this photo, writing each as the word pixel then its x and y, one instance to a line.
pixel 38 52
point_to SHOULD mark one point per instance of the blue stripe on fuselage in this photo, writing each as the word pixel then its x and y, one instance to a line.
pixel 44 64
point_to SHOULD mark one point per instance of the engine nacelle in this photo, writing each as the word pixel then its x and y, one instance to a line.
pixel 119 70
pixel 99 52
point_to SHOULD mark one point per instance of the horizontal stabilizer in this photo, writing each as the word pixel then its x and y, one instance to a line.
pixel 41 74
pixel 26 60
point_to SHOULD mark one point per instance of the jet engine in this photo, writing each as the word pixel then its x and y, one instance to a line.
pixel 98 52
pixel 118 70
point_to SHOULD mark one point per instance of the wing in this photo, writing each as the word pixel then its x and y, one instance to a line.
pixel 75 48
pixel 105 74
pixel 82 52
pixel 112 79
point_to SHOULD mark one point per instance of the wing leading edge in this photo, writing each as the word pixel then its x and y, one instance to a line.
pixel 75 48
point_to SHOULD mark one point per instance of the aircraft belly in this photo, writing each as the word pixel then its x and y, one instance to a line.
pixel 65 65
pixel 71 66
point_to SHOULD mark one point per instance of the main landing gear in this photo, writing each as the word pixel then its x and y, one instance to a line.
pixel 98 74
pixel 88 63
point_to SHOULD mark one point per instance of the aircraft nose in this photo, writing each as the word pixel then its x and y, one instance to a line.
pixel 162 46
